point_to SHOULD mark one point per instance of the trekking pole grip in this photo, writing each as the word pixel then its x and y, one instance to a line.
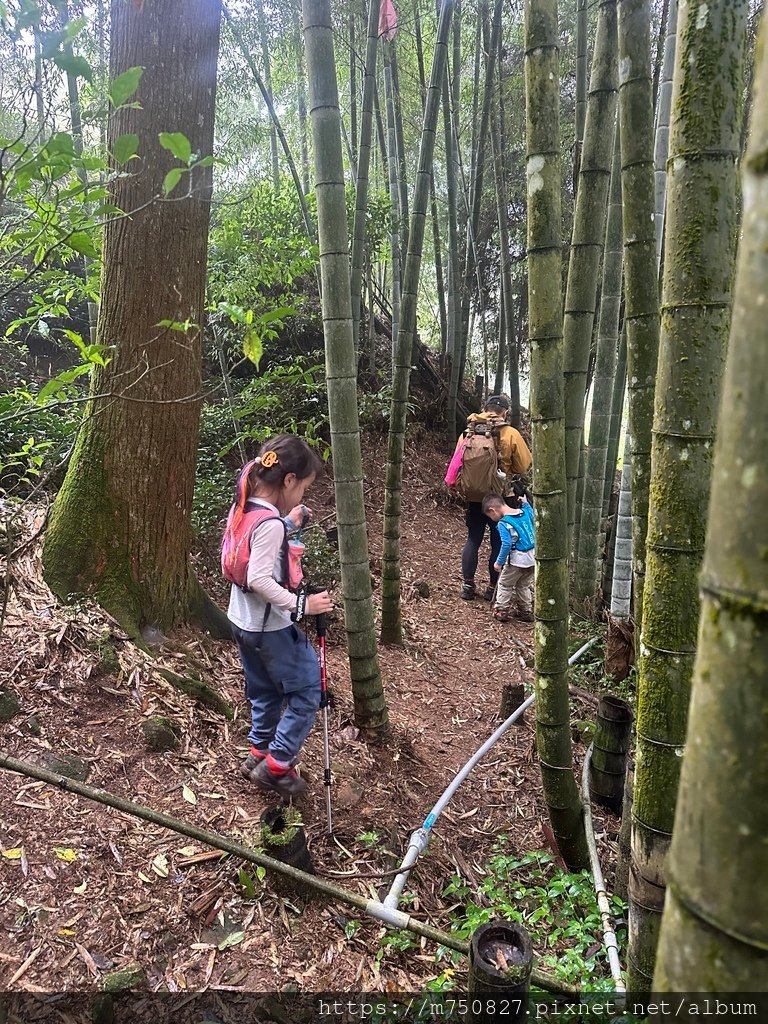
pixel 321 620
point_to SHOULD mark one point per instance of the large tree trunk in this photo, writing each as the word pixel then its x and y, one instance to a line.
pixel 590 531
pixel 120 526
pixel 391 626
pixel 714 934
pixel 545 304
pixel 341 368
pixel 641 286
pixel 698 270
pixel 587 244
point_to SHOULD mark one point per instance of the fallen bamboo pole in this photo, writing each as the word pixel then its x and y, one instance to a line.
pixel 392 918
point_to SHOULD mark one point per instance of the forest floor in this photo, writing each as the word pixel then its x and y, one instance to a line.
pixel 85 889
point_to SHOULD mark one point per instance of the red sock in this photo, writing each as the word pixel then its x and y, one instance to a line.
pixel 257 754
pixel 275 767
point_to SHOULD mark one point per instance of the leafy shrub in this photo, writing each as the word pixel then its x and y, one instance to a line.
pixel 320 561
pixel 557 908
pixel 374 408
pixel 31 439
pixel 288 399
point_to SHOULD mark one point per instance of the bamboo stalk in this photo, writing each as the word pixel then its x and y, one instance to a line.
pixel 553 733
pixel 714 934
pixel 391 625
pixel 341 369
pixel 700 250
pixel 587 244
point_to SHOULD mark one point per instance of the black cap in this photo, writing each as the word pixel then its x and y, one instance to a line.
pixel 497 401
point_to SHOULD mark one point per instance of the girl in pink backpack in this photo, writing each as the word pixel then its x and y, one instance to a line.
pixel 281 669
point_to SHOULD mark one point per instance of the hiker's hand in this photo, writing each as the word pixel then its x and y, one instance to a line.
pixel 318 604
pixel 497 567
pixel 300 515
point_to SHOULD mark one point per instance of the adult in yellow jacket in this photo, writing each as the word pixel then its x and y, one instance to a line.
pixel 514 458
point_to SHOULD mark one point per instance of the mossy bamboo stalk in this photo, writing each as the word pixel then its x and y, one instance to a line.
pixel 553 733
pixel 454 294
pixel 714 934
pixel 582 78
pixel 587 243
pixel 699 257
pixel 391 625
pixel 513 350
pixel 641 288
pixel 363 167
pixel 590 532
pixel 341 368
pixel 617 411
pixel 498 382
pixel 301 97
pixel 661 134
pixel 396 253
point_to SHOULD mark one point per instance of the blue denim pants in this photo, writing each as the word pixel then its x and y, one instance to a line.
pixel 282 673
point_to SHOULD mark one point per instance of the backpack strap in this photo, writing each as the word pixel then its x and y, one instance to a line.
pixel 283 558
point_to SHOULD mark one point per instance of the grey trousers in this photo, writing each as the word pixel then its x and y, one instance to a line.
pixel 515 584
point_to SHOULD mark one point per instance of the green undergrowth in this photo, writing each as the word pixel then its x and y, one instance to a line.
pixel 557 908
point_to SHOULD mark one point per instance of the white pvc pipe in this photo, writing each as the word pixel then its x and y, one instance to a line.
pixel 609 935
pixel 420 838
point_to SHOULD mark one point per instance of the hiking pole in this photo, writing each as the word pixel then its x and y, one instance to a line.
pixel 321 624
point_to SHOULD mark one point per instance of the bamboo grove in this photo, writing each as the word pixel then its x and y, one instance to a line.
pixel 465 194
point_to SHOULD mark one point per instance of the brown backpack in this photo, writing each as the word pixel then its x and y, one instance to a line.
pixel 480 462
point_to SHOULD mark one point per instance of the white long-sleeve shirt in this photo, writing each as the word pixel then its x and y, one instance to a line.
pixel 246 609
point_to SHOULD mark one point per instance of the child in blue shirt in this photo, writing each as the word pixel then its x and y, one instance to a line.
pixel 516 560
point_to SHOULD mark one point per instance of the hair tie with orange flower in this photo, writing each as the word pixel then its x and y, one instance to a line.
pixel 269 459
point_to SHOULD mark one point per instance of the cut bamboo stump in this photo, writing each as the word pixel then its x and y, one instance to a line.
pixel 283 837
pixel 512 696
pixel 613 730
pixel 500 961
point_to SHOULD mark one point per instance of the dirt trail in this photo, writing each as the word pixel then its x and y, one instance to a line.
pixel 94 889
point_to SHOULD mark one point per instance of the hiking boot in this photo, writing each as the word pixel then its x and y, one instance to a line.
pixel 489 593
pixel 254 758
pixel 501 614
pixel 524 616
pixel 286 784
pixel 467 592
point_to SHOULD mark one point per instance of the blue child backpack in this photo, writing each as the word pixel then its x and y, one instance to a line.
pixel 523 526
